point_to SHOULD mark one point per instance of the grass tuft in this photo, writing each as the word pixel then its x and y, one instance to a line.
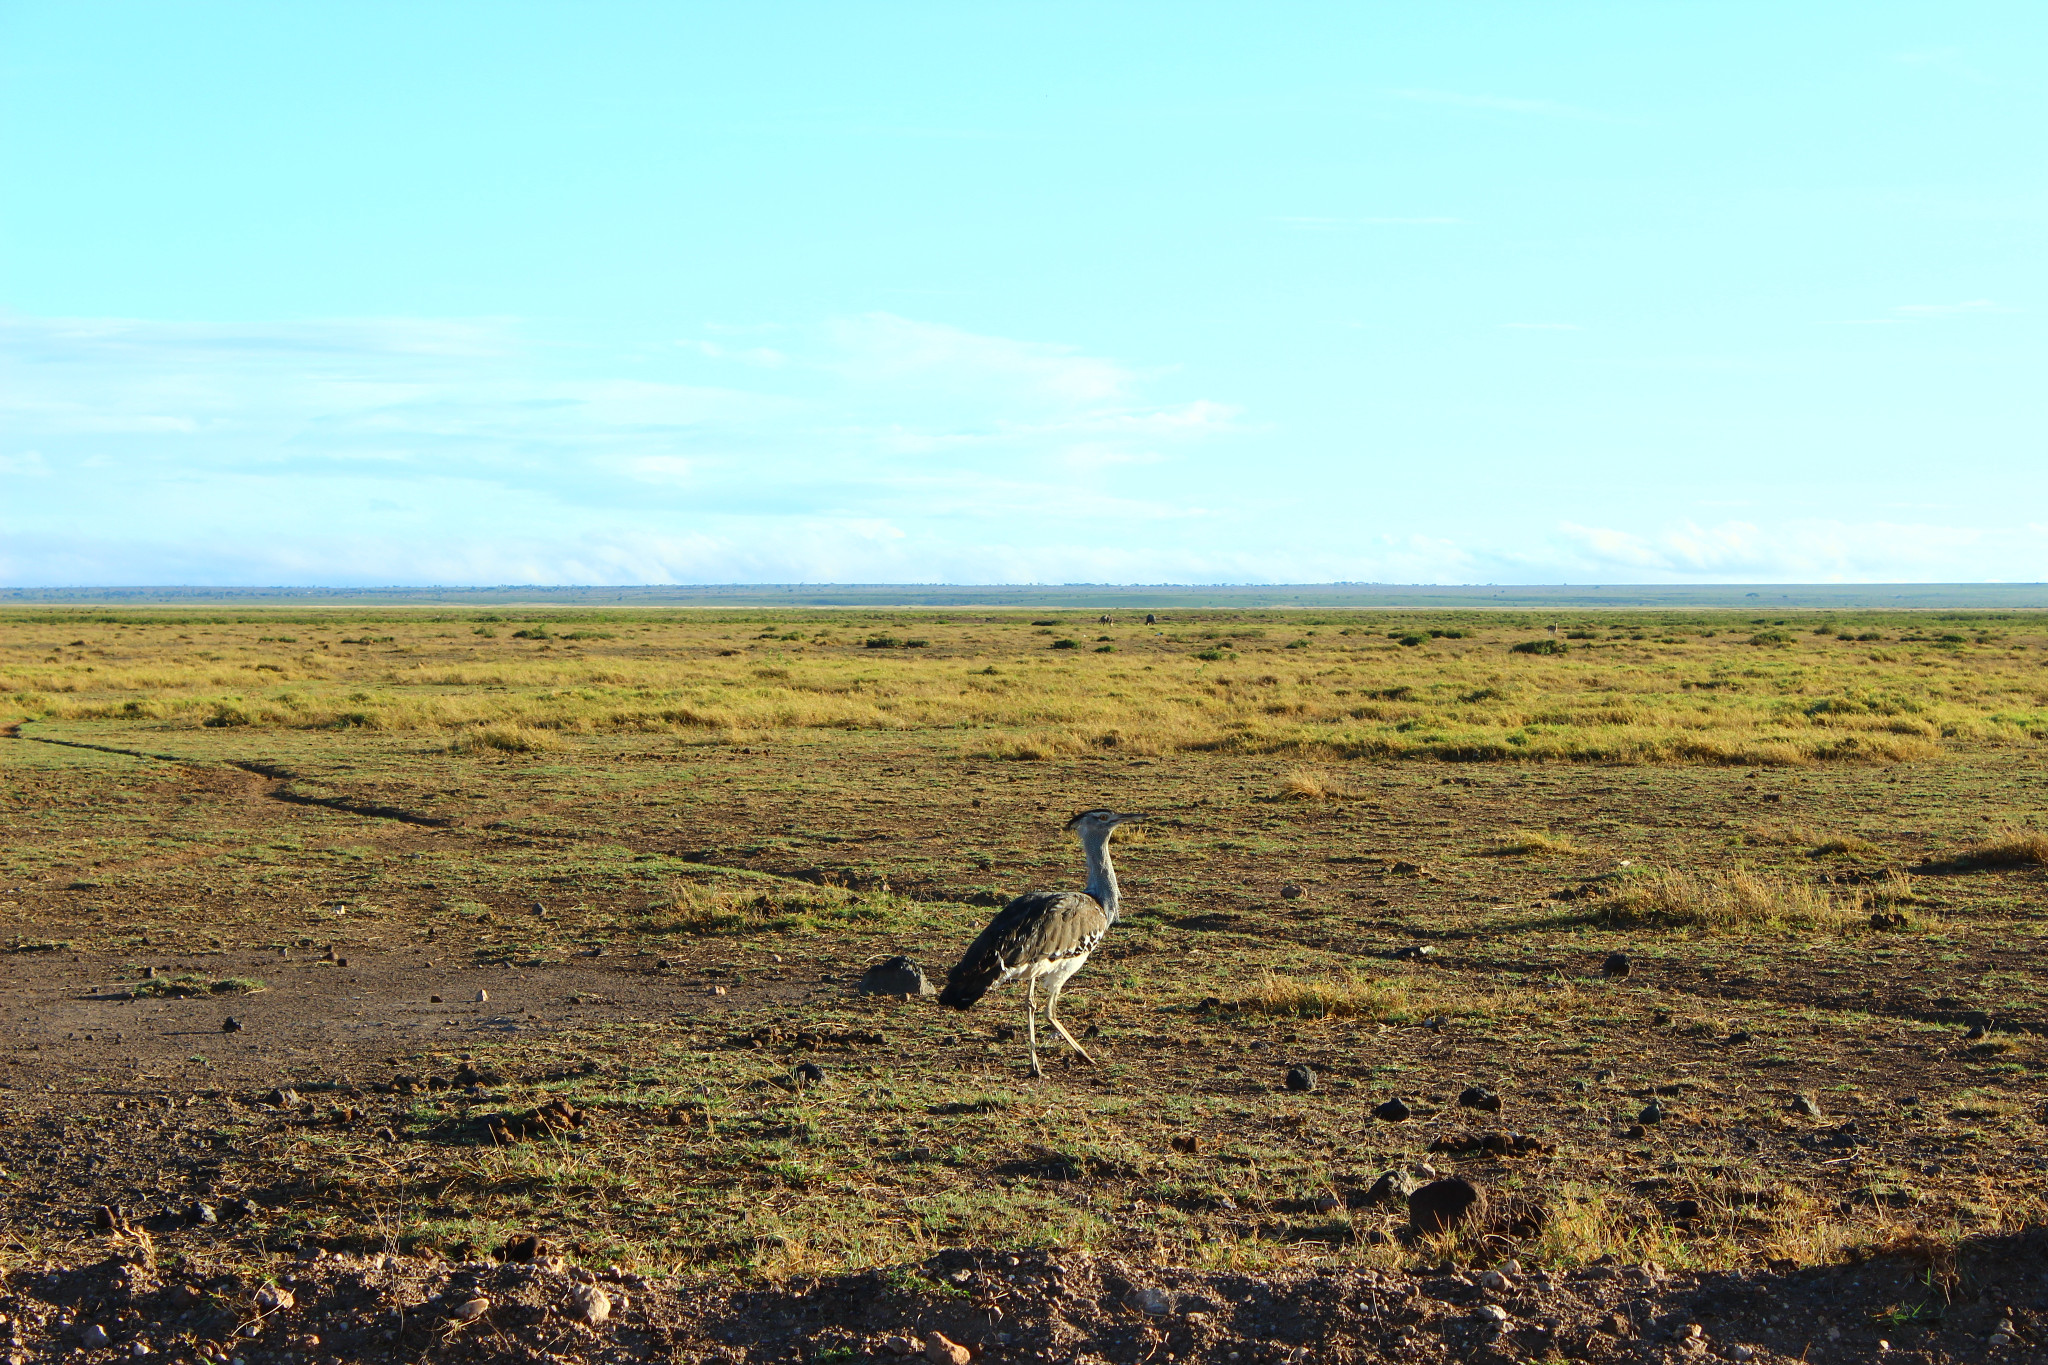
pixel 2010 848
pixel 1533 844
pixel 1728 902
pixel 506 738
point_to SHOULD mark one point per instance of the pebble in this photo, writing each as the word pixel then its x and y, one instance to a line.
pixel 1392 1111
pixel 471 1309
pixel 271 1299
pixel 809 1074
pixel 1805 1107
pixel 1479 1097
pixel 231 1025
pixel 1300 1078
pixel 94 1336
pixel 1617 966
pixel 1492 1312
pixel 1290 892
pixel 1740 1353
pixel 1653 1112
pixel 483 997
pixel 1442 1204
pixel 590 1303
pixel 941 1351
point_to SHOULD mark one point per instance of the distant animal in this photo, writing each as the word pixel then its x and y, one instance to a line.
pixel 231 1025
pixel 1045 936
pixel 1617 966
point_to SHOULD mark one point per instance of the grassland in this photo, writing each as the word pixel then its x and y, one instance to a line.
pixel 665 843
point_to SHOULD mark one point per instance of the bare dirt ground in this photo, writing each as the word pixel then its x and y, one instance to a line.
pixel 488 997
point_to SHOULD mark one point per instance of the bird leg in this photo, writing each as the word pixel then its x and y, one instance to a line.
pixel 1053 998
pixel 1031 1025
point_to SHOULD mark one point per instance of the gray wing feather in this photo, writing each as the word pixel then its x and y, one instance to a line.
pixel 1038 926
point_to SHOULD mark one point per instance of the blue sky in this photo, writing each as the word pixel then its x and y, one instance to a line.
pixel 606 293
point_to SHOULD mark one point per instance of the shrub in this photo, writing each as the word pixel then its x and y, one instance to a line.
pixel 1066 644
pixel 1539 647
pixel 1770 637
pixel 883 642
pixel 506 737
pixel 1410 641
pixel 528 633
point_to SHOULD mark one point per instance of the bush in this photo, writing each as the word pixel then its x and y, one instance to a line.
pixel 1770 637
pixel 1410 641
pixel 529 633
pixel 1540 647
pixel 1066 644
pixel 883 642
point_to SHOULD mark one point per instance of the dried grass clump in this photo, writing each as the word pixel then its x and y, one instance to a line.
pixel 2010 848
pixel 1847 845
pixel 1728 902
pixel 506 738
pixel 1389 1000
pixel 1315 784
pixel 1533 844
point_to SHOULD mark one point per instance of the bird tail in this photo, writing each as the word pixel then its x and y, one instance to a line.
pixel 968 984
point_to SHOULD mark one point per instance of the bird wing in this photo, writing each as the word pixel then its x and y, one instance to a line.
pixel 1038 926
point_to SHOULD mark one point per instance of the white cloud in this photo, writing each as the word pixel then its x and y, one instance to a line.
pixel 1950 310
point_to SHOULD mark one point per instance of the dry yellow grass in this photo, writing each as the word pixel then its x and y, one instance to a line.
pixel 1533 844
pixel 998 688
pixel 2010 848
pixel 1729 902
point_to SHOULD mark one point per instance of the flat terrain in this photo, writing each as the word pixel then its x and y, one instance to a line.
pixel 528 922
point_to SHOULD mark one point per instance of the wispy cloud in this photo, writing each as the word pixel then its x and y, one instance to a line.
pixel 1950 310
pixel 1499 104
pixel 1313 224
pixel 1542 327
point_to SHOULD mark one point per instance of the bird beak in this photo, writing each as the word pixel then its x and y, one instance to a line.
pixel 1122 819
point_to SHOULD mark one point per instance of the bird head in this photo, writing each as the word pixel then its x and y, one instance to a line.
pixel 1097 823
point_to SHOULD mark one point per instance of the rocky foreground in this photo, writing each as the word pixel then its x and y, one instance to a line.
pixel 1987 1300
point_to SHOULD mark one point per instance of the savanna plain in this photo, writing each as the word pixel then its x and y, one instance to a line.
pixel 485 984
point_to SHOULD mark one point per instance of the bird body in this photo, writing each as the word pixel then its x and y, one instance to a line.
pixel 1044 937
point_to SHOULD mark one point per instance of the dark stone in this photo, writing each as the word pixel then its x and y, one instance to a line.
pixel 236 1208
pixel 520 1250
pixel 897 976
pixel 1479 1097
pixel 809 1074
pixel 1290 892
pixel 1687 1209
pixel 1390 1186
pixel 1653 1112
pixel 1300 1078
pixel 1414 952
pixel 104 1218
pixel 1617 966
pixel 1444 1204
pixel 202 1215
pixel 281 1098
pixel 231 1025
pixel 1804 1106
pixel 1393 1111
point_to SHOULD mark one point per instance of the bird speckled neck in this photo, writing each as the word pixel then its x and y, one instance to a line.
pixel 1101 874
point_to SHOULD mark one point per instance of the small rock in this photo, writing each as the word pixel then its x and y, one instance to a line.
pixel 483 997
pixel 1653 1112
pixel 281 1098
pixel 272 1299
pixel 1415 952
pixel 1492 1312
pixel 1443 1204
pixel 1391 1185
pixel 897 976
pixel 716 990
pixel 1495 1280
pixel 1976 1032
pixel 469 1310
pixel 1394 1110
pixel 1290 892
pixel 899 1346
pixel 1479 1097
pixel 1740 1353
pixel 202 1215
pixel 941 1351
pixel 1686 1210
pixel 1805 1107
pixel 1300 1078
pixel 523 1249
pixel 103 1218
pixel 139 1349
pixel 433 1000
pixel 809 1074
pixel 1617 966
pixel 236 1208
pixel 231 1025
pixel 590 1304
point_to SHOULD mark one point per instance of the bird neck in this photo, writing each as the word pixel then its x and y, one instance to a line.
pixel 1101 873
